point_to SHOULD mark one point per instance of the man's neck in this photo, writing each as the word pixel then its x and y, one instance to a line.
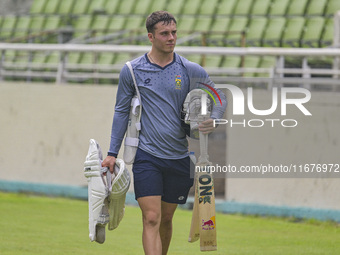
pixel 161 59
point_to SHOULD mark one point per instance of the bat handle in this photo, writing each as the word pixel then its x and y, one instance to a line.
pixel 204 157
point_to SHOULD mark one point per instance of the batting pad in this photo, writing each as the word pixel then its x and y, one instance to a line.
pixel 97 191
pixel 120 186
pixel 106 192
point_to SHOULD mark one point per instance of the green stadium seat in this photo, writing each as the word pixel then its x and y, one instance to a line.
pixel 243 7
pixel 80 7
pixel 157 5
pixel 135 25
pixel 313 31
pixel 22 27
pixel 8 26
pixel 134 22
pixel 37 24
pixel 52 23
pixel 51 7
pixel 111 6
pixel 208 7
pixel 191 7
pixel 203 25
pixel 1 19
pixel 142 7
pixel 82 25
pixel 316 7
pixel 297 8
pixel 52 58
pixel 126 7
pixel 9 56
pixel 255 31
pixel 251 62
pixel 116 23
pixel 185 24
pixel 105 58
pixel 65 7
pixel 260 7
pixel 328 33
pixel 236 29
pixel 100 24
pixel 226 7
pixel 38 6
pixel 96 6
pixel 194 58
pixel 73 57
pixel 88 58
pixel 332 7
pixel 292 34
pixel 279 7
pixel 273 32
pixel 39 59
pixel 218 31
pixel 266 62
pixel 212 61
pixel 232 62
pixel 175 6
pixel 121 58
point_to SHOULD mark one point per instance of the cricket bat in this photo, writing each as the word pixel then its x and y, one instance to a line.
pixel 203 222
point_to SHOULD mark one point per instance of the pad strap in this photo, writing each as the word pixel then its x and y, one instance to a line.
pixel 130 141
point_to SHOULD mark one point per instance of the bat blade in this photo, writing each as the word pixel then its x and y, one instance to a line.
pixel 206 208
pixel 194 234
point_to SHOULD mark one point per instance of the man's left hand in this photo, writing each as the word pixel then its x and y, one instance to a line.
pixel 207 126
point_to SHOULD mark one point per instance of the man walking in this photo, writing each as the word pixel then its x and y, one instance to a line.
pixel 161 168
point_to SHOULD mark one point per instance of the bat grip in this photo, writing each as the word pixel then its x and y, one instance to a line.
pixel 204 157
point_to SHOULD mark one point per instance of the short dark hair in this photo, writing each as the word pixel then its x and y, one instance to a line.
pixel 156 17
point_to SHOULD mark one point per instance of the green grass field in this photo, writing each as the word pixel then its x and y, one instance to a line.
pixel 43 225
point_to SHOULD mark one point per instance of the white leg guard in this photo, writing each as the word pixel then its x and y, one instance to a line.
pixel 120 186
pixel 97 192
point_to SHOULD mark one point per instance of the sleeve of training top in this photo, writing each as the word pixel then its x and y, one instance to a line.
pixel 124 96
pixel 199 78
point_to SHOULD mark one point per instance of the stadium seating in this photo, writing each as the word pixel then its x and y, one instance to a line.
pixel 65 7
pixel 260 7
pixel 111 6
pixel 255 31
pixel 316 7
pixel 313 31
pixel 297 8
pixel 279 7
pixel 51 6
pixel 226 7
pixel 332 7
pixel 273 32
pixel 293 32
pixel 262 23
pixel 236 29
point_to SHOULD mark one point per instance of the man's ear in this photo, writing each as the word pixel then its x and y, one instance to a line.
pixel 150 36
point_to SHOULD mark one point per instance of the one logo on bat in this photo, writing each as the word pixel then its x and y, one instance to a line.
pixel 209 224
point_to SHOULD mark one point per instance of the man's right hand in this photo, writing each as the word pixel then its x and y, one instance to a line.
pixel 109 162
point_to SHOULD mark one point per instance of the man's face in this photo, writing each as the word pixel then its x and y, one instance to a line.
pixel 164 37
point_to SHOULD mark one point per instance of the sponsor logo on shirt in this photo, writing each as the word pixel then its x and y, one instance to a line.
pixel 147 82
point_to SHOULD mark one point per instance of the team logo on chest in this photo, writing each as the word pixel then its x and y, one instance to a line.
pixel 178 81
